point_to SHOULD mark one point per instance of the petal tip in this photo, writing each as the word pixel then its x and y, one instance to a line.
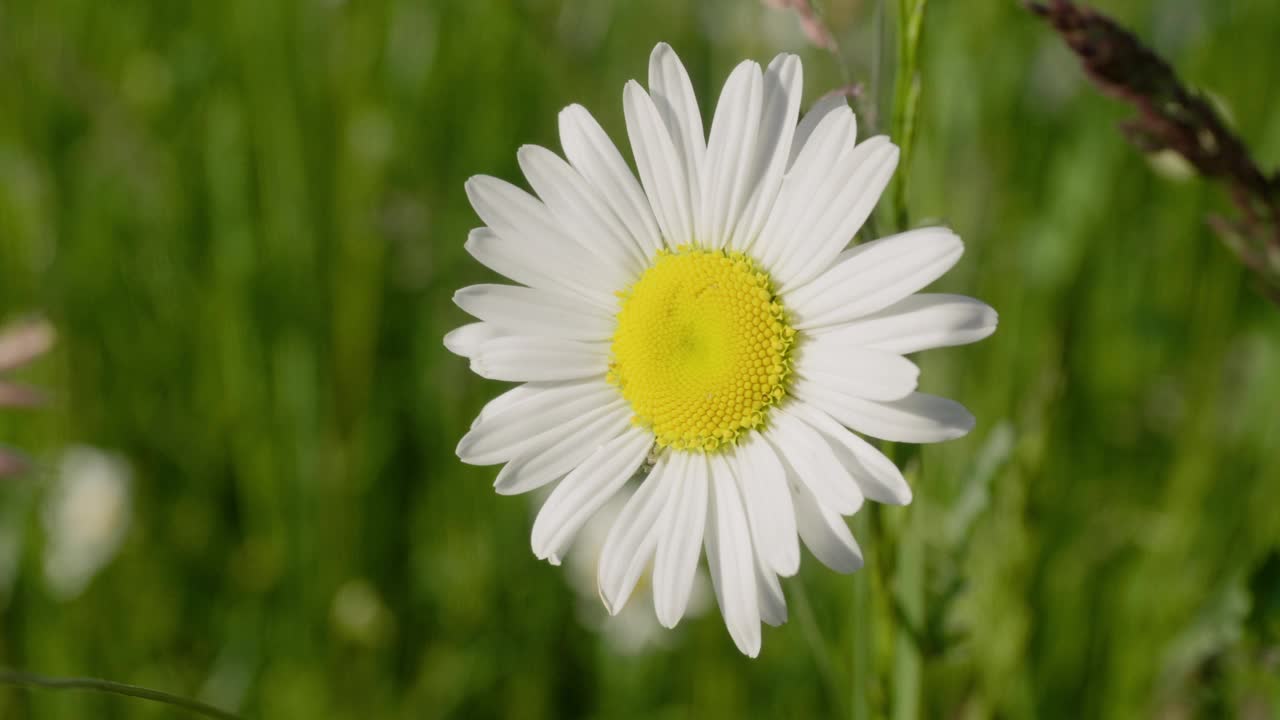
pixel 475 184
pixel 463 450
pixel 457 340
pixel 789 564
pixel 750 648
pixel 903 496
pixel 963 423
pixel 572 112
pixel 480 368
pixel 610 606
pixel 505 489
pixel 667 617
pixel 526 152
pixel 632 93
pixel 990 318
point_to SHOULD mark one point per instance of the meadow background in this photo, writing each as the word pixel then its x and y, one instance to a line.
pixel 246 219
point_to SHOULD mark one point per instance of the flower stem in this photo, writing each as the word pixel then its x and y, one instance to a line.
pixel 904 542
pixel 909 600
pixel 906 97
pixel 17 678
pixel 821 658
pixel 863 675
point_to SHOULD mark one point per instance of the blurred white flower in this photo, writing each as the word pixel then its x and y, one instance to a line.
pixel 635 628
pixel 86 516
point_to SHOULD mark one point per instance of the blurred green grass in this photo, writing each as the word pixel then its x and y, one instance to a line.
pixel 246 219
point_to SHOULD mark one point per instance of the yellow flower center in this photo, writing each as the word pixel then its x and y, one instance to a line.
pixel 702 348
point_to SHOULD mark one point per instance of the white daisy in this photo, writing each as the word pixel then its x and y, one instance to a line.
pixel 707 324
pixel 86 517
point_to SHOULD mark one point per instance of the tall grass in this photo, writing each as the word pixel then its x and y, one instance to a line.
pixel 246 219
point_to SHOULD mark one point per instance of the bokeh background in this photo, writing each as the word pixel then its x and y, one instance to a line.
pixel 246 219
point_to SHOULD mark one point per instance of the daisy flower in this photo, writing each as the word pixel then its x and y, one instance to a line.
pixel 707 330
pixel 86 518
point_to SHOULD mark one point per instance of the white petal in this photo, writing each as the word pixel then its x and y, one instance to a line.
pixel 662 169
pixel 559 450
pixel 810 460
pixel 763 482
pixel 783 84
pixel 529 359
pixel 467 339
pixel 526 263
pixel 877 476
pixel 673 95
pixel 586 490
pixel 726 176
pixel 773 604
pixel 594 155
pixel 869 374
pixel 917 418
pixel 508 399
pixel 529 311
pixel 825 534
pixel 531 236
pixel 873 276
pixel 858 182
pixel 804 188
pixel 730 560
pixel 629 547
pixel 581 209
pixel 503 432
pixel 515 260
pixel 918 322
pixel 810 121
pixel 683 521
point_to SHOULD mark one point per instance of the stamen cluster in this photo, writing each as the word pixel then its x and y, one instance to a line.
pixel 702 349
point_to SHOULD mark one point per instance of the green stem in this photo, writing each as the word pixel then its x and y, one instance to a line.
pixel 904 588
pixel 27 680
pixel 817 646
pixel 906 97
pixel 863 645
pixel 873 94
pixel 908 592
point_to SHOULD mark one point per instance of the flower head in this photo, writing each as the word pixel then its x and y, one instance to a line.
pixel 706 332
pixel 86 518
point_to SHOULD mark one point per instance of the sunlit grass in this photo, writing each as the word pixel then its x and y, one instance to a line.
pixel 246 220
